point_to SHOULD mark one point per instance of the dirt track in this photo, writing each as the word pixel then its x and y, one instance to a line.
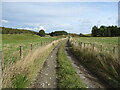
pixel 47 77
pixel 87 78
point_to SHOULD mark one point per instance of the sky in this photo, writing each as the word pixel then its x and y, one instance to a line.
pixel 73 17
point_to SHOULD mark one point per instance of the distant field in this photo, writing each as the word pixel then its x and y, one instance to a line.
pixel 99 40
pixel 108 43
pixel 11 43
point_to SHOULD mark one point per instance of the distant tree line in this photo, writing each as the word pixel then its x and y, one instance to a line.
pixel 15 31
pixel 4 30
pixel 106 31
pixel 58 33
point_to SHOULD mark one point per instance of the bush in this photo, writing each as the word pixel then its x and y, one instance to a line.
pixel 41 33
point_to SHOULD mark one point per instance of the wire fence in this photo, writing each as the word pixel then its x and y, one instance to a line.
pixel 19 52
pixel 110 49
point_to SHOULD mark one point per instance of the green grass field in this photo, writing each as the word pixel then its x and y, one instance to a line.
pixel 106 44
pixel 103 64
pixel 12 42
pixel 99 40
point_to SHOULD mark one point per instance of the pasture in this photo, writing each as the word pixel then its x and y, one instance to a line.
pixel 104 44
pixel 12 42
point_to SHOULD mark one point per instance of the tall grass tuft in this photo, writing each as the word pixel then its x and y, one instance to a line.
pixel 104 65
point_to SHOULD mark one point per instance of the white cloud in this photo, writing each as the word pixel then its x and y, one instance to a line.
pixel 4 21
pixel 38 28
pixel 26 28
pixel 35 28
pixel 41 27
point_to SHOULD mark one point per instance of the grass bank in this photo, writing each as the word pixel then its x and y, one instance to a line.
pixel 22 73
pixel 67 77
pixel 102 64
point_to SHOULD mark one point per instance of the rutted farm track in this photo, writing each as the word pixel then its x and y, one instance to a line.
pixel 87 77
pixel 47 77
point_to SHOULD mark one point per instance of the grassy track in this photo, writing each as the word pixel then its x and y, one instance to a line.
pixel 11 43
pixel 66 73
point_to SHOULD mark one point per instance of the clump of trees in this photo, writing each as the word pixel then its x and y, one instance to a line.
pixel 15 31
pixel 58 33
pixel 106 31
pixel 41 33
pixel 84 35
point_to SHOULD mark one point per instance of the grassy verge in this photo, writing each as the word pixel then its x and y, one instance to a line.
pixel 67 76
pixel 22 73
pixel 0 42
pixel 19 81
pixel 104 65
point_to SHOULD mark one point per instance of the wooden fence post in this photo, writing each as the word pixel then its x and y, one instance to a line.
pixel 114 49
pixel 84 44
pixel 20 51
pixel 31 46
pixel 101 48
pixel 53 44
pixel 93 47
pixel 80 45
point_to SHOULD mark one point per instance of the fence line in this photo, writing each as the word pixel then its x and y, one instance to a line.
pixel 93 46
pixel 32 46
pixel 20 51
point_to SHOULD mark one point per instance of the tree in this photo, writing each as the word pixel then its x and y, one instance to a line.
pixel 41 33
pixel 95 31
pixel 106 31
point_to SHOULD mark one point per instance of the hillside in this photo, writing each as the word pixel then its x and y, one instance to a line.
pixel 15 31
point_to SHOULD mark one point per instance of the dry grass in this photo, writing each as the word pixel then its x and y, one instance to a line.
pixel 29 66
pixel 105 65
